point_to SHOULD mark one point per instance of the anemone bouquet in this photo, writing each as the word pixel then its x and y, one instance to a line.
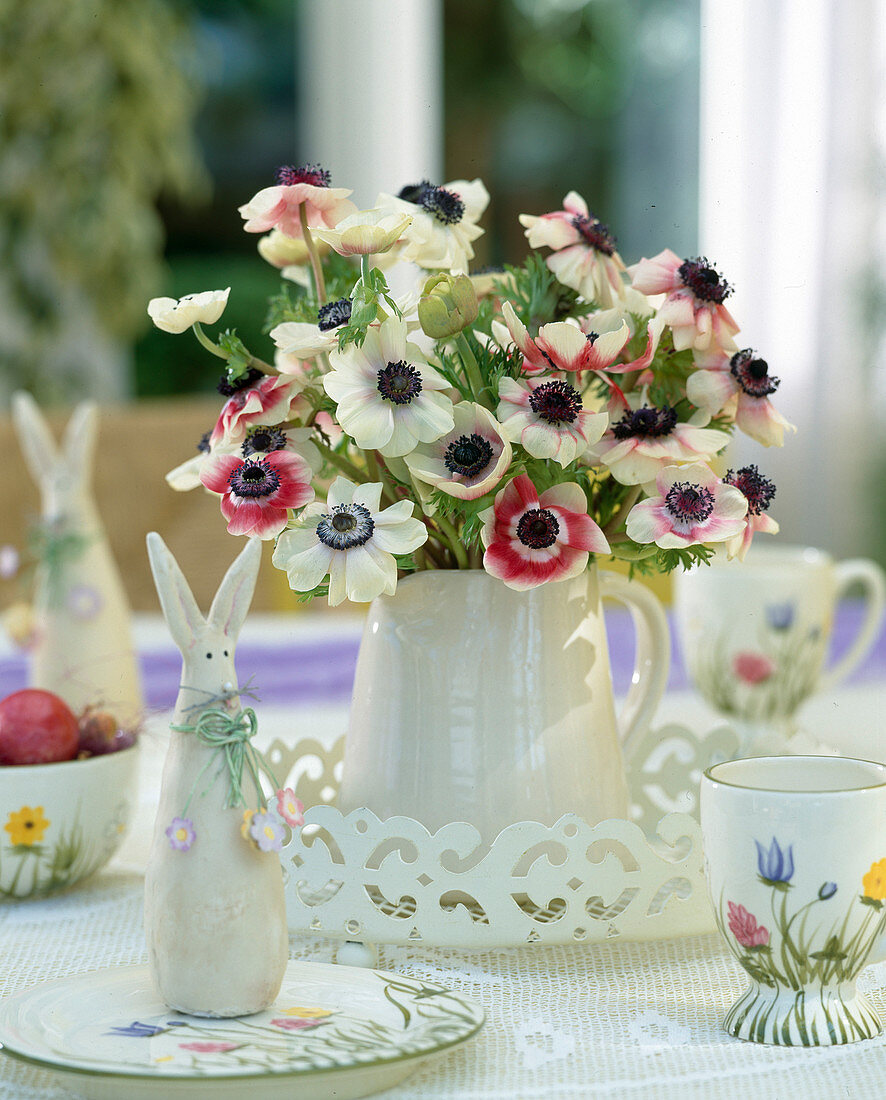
pixel 412 415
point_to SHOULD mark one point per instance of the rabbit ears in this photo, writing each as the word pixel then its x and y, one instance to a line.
pixel 43 457
pixel 231 602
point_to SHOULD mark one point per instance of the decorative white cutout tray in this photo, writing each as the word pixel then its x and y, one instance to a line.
pixel 359 878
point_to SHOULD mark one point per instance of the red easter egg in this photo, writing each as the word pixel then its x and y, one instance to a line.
pixel 36 727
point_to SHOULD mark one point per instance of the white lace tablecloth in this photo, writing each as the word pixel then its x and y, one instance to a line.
pixel 618 1020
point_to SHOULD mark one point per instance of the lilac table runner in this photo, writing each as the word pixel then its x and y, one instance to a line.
pixel 322 671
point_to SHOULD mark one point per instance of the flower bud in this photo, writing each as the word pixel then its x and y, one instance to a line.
pixel 448 305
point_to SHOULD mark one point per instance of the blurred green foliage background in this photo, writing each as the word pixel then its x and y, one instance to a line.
pixel 133 129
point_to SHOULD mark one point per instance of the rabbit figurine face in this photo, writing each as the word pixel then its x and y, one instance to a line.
pixel 215 916
pixel 207 644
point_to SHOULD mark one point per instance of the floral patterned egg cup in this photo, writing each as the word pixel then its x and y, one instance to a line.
pixel 755 636
pixel 795 857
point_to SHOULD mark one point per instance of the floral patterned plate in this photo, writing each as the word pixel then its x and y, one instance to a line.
pixel 334 1031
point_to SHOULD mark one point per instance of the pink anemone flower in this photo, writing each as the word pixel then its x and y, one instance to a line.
pixel 744 927
pixel 642 439
pixel 759 492
pixel 546 417
pixel 740 384
pixel 268 400
pixel 693 505
pixel 532 539
pixel 279 207
pixel 469 460
pixel 256 494
pixel 563 346
pixel 583 250
pixel 694 294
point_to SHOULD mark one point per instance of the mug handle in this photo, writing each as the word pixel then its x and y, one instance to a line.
pixel 652 656
pixel 871 578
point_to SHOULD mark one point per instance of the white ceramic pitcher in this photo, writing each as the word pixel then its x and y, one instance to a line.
pixel 474 702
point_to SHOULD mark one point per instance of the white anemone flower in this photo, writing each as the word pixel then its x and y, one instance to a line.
pixel 352 540
pixel 468 461
pixel 303 340
pixel 546 417
pixel 283 251
pixel 178 314
pixel 366 233
pixel 389 398
pixel 444 222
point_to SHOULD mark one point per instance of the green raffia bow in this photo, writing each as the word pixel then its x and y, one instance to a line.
pixel 54 546
pixel 231 734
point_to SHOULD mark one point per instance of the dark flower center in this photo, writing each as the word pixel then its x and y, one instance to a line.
pixel 334 314
pixel 227 388
pixel 595 233
pixel 346 526
pixel 313 174
pixel 399 382
pixel 263 440
pixel 203 446
pixel 646 423
pixel 703 280
pixel 468 455
pixel 556 403
pixel 254 479
pixel 689 503
pixel 759 490
pixel 446 206
pixel 752 374
pixel 538 528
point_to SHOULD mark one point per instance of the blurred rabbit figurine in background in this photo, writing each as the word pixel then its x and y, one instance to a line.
pixel 83 649
pixel 215 915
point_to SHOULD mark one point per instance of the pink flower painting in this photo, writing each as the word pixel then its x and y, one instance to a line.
pixel 743 925
pixel 753 668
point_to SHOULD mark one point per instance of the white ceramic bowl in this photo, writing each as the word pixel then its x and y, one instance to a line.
pixel 61 822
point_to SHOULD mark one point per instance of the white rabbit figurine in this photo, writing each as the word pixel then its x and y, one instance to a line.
pixel 83 649
pixel 215 916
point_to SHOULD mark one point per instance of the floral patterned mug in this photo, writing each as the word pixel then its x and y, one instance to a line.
pixel 755 635
pixel 795 859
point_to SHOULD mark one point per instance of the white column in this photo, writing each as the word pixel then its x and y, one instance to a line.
pixel 789 91
pixel 371 95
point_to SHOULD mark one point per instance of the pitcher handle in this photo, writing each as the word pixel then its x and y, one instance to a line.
pixel 652 656
pixel 871 577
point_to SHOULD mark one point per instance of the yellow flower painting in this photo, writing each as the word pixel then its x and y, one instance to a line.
pixel 27 826
pixel 874 882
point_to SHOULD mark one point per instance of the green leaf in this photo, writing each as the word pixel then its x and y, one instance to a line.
pixel 238 356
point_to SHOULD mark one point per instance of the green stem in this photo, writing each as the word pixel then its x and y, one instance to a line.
pixel 451 537
pixel 339 461
pixel 207 343
pixel 472 371
pixel 626 505
pixel 316 266
pixel 378 473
